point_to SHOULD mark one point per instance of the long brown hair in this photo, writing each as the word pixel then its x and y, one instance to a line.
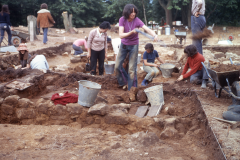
pixel 23 56
pixel 5 9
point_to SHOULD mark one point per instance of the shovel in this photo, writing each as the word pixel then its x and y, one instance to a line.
pixel 88 66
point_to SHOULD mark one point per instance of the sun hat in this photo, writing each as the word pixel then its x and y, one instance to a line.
pixel 22 47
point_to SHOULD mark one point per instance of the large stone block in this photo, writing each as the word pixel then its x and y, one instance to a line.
pixel 25 113
pixel 12 100
pixel 99 109
pixel 7 109
pixel 117 117
pixel 219 55
pixel 75 59
pixel 25 103
pixel 74 108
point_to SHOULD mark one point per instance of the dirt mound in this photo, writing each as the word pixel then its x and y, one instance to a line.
pixel 226 67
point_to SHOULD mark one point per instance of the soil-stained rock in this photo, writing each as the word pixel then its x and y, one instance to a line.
pixel 125 97
pixel 12 100
pixel 74 108
pixel 219 55
pixel 7 109
pixel 25 103
pixel 117 117
pixel 75 59
pixel 132 96
pixel 25 113
pixel 134 90
pixel 141 96
pixel 99 109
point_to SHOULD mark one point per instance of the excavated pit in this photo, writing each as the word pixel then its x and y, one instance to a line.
pixel 181 127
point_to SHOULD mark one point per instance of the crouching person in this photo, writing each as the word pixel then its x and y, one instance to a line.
pixel 197 73
pixel 39 62
pixel 149 57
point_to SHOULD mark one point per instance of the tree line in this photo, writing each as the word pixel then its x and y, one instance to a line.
pixel 88 13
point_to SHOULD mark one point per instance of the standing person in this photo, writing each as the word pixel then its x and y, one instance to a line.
pixel 148 63
pixel 198 22
pixel 129 44
pixel 44 20
pixel 97 47
pixel 76 46
pixel 197 73
pixel 24 56
pixel 5 24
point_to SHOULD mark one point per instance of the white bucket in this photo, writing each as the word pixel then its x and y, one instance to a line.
pixel 155 95
pixel 167 31
pixel 178 23
pixel 167 69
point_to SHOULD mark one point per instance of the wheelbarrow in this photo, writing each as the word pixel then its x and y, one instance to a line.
pixel 228 78
pixel 181 36
pixel 17 38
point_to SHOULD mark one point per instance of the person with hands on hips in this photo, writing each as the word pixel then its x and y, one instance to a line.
pixel 129 44
pixel 97 47
pixel 149 57
pixel 198 21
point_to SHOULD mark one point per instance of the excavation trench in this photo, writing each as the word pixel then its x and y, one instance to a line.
pixel 181 126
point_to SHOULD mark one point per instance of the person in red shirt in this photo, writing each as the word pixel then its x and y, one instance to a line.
pixel 197 73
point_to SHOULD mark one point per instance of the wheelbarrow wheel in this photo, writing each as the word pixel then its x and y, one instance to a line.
pixel 16 41
pixel 236 91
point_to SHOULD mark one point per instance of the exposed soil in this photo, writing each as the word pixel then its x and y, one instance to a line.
pixel 47 131
pixel 225 68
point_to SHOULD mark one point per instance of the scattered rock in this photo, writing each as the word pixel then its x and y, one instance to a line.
pixel 99 109
pixel 100 100
pixel 116 146
pixel 75 59
pixel 134 90
pixel 169 129
pixel 89 120
pixel 7 53
pixel 125 97
pixel 65 54
pixel 132 96
pixel 219 55
pixel 84 59
pixel 117 117
pixel 141 96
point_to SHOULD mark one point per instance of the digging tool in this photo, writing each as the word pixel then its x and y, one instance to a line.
pixel 150 37
pixel 88 66
pixel 234 124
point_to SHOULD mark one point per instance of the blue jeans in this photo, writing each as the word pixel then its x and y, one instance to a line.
pixel 4 27
pixel 45 30
pixel 233 113
pixel 197 25
pixel 199 76
pixel 77 49
pixel 120 71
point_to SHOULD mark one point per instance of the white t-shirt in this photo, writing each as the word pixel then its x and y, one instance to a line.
pixel 39 62
pixel 116 42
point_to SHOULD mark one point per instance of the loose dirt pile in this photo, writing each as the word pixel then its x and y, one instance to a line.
pixel 205 34
pixel 226 67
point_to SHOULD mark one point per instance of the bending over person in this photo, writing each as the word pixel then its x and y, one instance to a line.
pixel 79 45
pixel 197 73
pixel 38 62
pixel 148 63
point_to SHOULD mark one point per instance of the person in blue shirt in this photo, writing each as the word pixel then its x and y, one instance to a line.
pixel 149 57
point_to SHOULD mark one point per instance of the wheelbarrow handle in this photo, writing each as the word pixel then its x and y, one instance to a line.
pixel 207 71
pixel 231 60
pixel 230 91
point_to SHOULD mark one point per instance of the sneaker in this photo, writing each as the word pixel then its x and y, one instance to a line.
pixel 144 83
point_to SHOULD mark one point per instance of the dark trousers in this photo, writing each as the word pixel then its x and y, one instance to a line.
pixel 4 27
pixel 197 77
pixel 77 49
pixel 233 113
pixel 197 25
pixel 97 56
